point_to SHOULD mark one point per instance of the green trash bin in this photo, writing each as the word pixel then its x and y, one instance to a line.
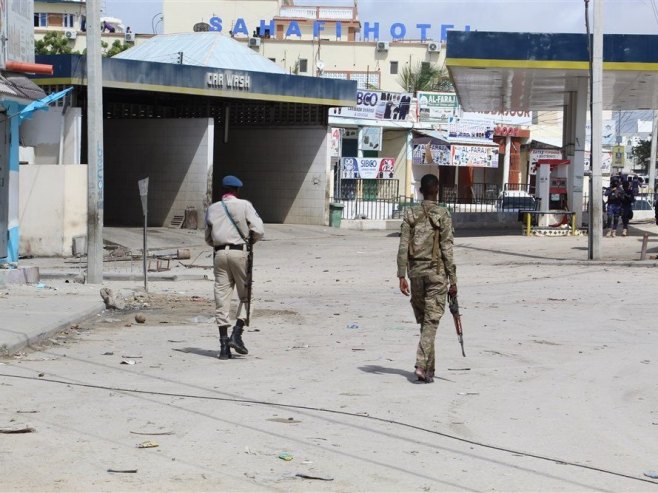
pixel 335 214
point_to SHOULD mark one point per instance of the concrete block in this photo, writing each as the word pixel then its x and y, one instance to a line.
pixel 21 275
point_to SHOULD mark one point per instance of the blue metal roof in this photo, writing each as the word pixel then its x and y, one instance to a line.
pixel 205 49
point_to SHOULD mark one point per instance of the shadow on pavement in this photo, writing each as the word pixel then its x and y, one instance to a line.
pixel 198 351
pixel 409 375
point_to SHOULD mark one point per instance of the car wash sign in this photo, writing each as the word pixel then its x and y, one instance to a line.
pixel 367 168
pixel 377 105
pixel 228 81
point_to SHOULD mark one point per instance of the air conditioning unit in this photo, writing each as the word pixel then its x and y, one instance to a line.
pixel 70 34
pixel 433 47
pixel 130 37
pixel 382 45
pixel 254 42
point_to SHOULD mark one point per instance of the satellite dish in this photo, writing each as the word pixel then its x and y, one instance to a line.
pixel 320 66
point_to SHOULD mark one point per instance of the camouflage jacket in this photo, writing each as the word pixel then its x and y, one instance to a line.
pixel 421 251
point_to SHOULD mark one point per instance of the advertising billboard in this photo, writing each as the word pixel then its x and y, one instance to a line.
pixel 378 105
pixel 438 107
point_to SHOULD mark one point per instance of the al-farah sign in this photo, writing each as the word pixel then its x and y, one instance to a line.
pixel 372 31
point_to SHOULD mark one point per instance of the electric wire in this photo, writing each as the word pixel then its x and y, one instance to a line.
pixel 335 411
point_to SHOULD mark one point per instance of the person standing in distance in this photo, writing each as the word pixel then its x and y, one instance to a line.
pixel 229 225
pixel 425 255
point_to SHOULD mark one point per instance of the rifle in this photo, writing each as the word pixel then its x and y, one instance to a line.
pixel 454 309
pixel 249 281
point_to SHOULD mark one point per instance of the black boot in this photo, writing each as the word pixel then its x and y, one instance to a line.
pixel 224 348
pixel 236 338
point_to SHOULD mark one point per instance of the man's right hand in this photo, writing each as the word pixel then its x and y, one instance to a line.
pixel 404 286
pixel 452 290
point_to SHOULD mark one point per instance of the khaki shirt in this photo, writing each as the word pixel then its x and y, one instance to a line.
pixel 220 229
pixel 419 231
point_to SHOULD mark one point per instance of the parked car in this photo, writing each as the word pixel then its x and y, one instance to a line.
pixel 643 209
pixel 515 200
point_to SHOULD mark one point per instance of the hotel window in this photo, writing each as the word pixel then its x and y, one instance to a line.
pixel 303 65
pixel 394 68
pixel 40 19
pixel 69 20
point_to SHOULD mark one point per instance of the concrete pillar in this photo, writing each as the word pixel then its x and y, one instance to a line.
pixel 575 123
pixel 506 160
pixel 543 191
pixel 4 187
pixel 409 175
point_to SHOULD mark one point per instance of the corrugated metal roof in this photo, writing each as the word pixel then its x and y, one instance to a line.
pixel 20 87
pixel 206 49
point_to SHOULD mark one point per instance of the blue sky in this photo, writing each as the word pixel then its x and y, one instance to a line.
pixel 621 16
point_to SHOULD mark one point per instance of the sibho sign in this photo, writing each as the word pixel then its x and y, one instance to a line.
pixel 371 30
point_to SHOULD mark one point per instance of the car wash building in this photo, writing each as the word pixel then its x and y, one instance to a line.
pixel 187 109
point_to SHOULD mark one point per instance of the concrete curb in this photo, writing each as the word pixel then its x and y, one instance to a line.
pixel 50 330
pixel 115 276
pixel 585 263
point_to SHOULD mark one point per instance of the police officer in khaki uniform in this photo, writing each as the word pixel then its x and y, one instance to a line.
pixel 425 255
pixel 229 225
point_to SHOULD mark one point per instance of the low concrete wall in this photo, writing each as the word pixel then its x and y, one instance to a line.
pixel 52 208
pixel 460 220
pixel 486 220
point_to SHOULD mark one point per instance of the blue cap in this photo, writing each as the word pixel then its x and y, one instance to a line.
pixel 231 181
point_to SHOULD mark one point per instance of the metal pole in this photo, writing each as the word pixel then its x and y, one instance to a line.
pixel 597 126
pixel 506 160
pixel 652 155
pixel 145 252
pixel 95 195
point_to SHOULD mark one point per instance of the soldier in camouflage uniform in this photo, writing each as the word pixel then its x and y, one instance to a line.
pixel 425 255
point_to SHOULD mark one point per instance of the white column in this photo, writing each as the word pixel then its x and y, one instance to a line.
pixel 577 158
pixel 652 155
pixel 506 160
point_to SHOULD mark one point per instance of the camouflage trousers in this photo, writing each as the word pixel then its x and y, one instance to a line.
pixel 428 299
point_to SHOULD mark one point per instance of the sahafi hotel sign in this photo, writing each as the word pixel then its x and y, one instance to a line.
pixel 371 30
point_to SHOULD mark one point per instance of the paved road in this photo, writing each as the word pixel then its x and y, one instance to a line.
pixel 561 364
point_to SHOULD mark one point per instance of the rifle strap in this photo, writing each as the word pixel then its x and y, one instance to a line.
pixel 435 246
pixel 228 214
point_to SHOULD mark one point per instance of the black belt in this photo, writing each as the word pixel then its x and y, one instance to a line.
pixel 229 247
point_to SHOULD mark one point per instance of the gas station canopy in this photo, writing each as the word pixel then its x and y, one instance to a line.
pixel 495 71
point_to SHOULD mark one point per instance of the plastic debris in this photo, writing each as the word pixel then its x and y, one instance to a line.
pixel 108 353
pixel 651 474
pixel 285 456
pixel 148 444
pixel 123 471
pixel 353 325
pixel 128 362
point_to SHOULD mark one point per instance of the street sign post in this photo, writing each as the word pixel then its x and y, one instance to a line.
pixel 143 194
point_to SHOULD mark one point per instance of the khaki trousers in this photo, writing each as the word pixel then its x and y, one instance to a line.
pixel 428 299
pixel 230 269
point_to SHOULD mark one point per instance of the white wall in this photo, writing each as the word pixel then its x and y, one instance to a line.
pixel 176 155
pixel 45 130
pixel 285 171
pixel 52 208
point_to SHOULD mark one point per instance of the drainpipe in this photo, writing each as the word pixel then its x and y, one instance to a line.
pixel 28 68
